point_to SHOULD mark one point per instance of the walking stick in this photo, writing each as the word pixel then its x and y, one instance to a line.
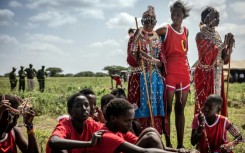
pixel 146 86
pixel 228 76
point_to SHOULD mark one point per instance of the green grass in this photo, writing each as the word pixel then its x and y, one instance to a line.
pixel 52 103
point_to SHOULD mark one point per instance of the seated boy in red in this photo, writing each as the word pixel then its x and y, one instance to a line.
pixel 74 134
pixel 116 138
pixel 209 130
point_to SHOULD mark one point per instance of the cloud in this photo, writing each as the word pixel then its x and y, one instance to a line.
pixel 122 20
pixel 237 30
pixel 6 17
pixel 107 43
pixel 6 39
pixel 92 13
pixel 41 48
pixel 53 18
pixel 47 38
pixel 15 4
pixel 238 7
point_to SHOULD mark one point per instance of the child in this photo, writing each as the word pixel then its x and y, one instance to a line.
pixel 116 138
pixel 10 134
pixel 174 48
pixel 119 93
pixel 209 132
pixel 74 134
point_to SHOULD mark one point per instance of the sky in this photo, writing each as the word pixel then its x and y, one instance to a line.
pixel 87 35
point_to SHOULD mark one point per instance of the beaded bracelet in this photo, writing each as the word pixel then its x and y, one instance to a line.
pixel 29 126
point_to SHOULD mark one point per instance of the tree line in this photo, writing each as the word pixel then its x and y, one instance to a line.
pixel 57 72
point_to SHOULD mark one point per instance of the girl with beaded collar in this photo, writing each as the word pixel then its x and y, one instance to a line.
pixel 146 87
pixel 212 54
pixel 174 48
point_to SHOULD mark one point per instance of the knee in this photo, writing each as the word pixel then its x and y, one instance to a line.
pixel 153 139
pixel 179 109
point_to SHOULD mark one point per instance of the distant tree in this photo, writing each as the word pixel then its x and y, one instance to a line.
pixel 101 74
pixel 6 75
pixel 114 69
pixel 54 71
pixel 85 74
pixel 69 75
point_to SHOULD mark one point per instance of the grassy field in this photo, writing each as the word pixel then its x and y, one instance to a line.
pixel 52 103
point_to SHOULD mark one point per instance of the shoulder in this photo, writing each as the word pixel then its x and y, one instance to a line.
pixel 93 124
pixel 199 36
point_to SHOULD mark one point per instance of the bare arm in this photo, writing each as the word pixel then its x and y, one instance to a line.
pixel 58 143
pixel 161 31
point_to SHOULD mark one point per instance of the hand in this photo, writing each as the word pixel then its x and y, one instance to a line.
pixel 97 137
pixel 183 150
pixel 29 116
pixel 145 56
pixel 4 106
pixel 100 116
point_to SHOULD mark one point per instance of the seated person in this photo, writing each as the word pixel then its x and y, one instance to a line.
pixel 11 135
pixel 209 130
pixel 117 138
pixel 74 134
pixel 104 101
pixel 91 96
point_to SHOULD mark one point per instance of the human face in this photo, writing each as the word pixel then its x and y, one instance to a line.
pixel 92 103
pixel 177 16
pixel 212 19
pixel 124 121
pixel 210 109
pixel 148 22
pixel 81 109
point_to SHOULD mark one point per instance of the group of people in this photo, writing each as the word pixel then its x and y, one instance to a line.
pixel 30 73
pixel 160 73
pixel 135 122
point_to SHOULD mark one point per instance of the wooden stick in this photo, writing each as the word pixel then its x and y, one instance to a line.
pixel 146 86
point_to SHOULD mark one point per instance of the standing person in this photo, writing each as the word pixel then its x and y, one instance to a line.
pixel 209 130
pixel 118 80
pixel 174 48
pixel 22 76
pixel 31 72
pixel 73 134
pixel 13 79
pixel 11 135
pixel 212 54
pixel 146 87
pixel 41 78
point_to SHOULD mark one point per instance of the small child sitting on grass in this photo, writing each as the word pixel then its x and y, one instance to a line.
pixel 11 135
pixel 209 130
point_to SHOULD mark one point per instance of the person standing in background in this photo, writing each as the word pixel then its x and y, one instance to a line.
pixel 22 76
pixel 41 78
pixel 13 79
pixel 31 72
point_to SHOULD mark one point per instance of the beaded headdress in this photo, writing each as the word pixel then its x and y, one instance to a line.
pixel 150 11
